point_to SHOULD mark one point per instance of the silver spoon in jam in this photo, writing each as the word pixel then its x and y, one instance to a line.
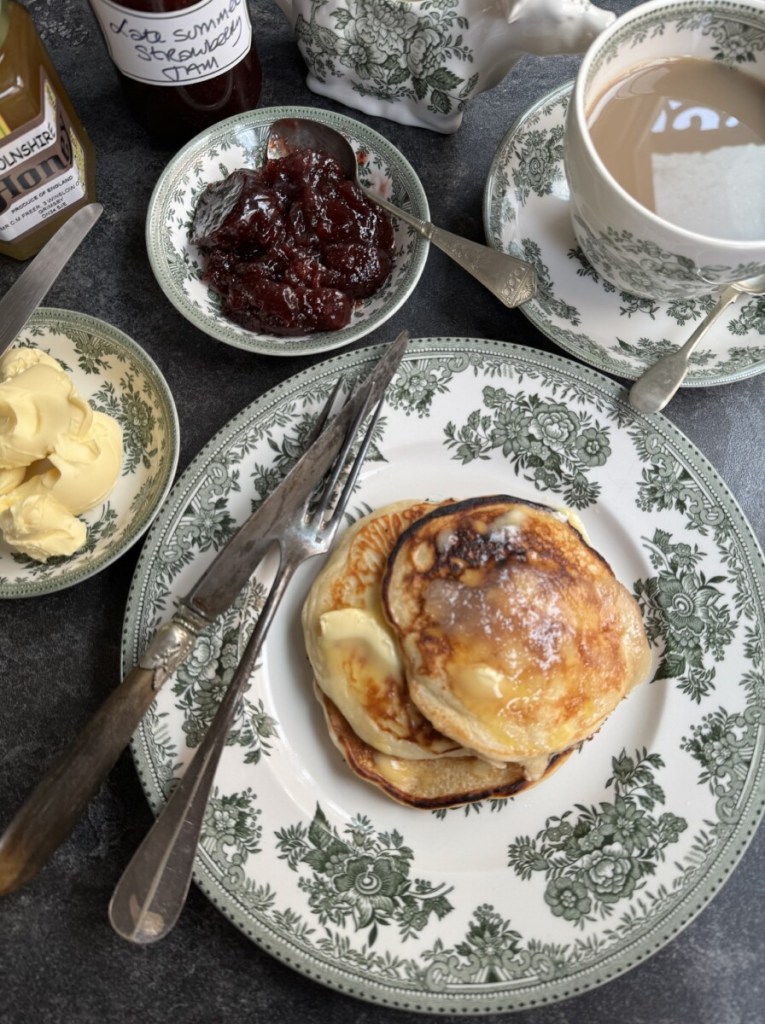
pixel 512 280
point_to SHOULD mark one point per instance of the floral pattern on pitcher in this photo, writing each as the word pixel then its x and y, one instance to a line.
pixel 395 53
pixel 420 61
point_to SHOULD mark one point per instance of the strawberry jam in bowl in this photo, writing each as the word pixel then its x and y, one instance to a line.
pixel 284 256
pixel 292 245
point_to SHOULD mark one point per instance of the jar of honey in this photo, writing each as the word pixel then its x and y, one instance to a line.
pixel 47 162
pixel 183 64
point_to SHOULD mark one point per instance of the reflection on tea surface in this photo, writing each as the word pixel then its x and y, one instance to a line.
pixel 686 138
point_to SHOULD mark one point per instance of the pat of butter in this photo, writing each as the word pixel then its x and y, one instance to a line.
pixel 37 407
pixel 361 627
pixel 480 683
pixel 483 683
pixel 491 695
pixel 41 527
pixel 58 457
pixel 360 670
pixel 17 359
pixel 84 469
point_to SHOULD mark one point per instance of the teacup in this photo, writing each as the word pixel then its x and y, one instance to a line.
pixel 628 243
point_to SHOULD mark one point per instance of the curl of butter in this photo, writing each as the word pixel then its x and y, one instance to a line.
pixel 17 359
pixel 84 469
pixel 11 478
pixel 58 457
pixel 38 406
pixel 41 527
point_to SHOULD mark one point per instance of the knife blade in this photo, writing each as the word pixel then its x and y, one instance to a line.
pixel 54 806
pixel 30 288
pixel 219 585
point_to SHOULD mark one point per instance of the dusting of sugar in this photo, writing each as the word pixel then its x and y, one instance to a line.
pixel 546 633
pixel 501 609
pixel 507 534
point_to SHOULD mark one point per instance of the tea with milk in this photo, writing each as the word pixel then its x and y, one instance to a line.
pixel 685 137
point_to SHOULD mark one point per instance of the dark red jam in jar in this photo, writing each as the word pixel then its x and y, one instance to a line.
pixel 292 246
pixel 183 64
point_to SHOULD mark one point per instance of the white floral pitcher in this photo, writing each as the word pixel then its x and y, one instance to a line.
pixel 419 61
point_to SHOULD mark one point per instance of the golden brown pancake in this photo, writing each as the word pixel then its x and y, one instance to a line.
pixel 516 637
pixel 428 783
pixel 352 649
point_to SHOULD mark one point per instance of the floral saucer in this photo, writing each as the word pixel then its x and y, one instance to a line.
pixel 526 212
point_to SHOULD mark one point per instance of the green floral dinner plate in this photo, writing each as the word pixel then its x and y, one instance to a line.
pixel 118 378
pixel 526 212
pixel 501 905
pixel 240 141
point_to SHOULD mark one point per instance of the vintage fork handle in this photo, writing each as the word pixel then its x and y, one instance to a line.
pixel 55 805
pixel 512 280
pixel 150 895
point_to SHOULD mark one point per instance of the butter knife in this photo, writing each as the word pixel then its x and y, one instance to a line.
pixel 59 799
pixel 30 288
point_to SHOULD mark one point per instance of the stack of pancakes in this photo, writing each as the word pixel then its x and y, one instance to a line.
pixel 461 650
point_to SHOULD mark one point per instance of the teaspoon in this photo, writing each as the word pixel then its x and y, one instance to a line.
pixel 653 390
pixel 511 279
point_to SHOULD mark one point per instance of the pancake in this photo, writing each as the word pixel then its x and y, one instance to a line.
pixel 351 648
pixel 517 639
pixel 427 783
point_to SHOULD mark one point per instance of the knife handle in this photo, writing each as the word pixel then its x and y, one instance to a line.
pixel 55 805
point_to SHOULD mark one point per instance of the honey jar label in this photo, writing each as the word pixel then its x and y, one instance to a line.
pixel 42 168
pixel 175 48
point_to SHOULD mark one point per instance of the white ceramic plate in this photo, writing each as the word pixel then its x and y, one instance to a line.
pixel 526 213
pixel 240 142
pixel 498 906
pixel 119 378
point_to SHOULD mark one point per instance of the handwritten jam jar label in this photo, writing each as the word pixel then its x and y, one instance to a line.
pixel 195 44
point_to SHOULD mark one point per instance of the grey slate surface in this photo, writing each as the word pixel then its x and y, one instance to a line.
pixel 59 654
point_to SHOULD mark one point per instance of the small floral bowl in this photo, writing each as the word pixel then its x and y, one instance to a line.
pixel 118 378
pixel 240 141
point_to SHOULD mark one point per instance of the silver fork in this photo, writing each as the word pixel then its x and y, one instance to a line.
pixel 151 893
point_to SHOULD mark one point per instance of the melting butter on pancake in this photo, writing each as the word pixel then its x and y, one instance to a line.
pixel 352 650
pixel 427 783
pixel 517 638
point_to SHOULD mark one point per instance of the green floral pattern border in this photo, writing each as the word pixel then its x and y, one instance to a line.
pixel 347 888
pixel 735 31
